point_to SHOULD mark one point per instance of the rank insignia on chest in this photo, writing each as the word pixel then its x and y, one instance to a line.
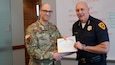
pixel 89 28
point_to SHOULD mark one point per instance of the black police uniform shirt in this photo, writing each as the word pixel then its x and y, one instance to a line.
pixel 94 32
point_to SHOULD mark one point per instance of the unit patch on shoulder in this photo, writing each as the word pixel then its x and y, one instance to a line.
pixel 102 25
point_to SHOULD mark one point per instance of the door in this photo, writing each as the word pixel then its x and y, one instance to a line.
pixel 5 33
pixel 30 16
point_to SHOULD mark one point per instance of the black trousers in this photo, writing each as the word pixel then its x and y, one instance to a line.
pixel 98 63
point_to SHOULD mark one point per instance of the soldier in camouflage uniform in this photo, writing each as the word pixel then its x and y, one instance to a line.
pixel 41 38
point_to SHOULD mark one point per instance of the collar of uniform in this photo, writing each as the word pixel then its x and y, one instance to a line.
pixel 88 22
pixel 44 24
pixel 43 27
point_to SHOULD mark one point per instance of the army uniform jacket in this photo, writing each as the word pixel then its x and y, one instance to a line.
pixel 42 43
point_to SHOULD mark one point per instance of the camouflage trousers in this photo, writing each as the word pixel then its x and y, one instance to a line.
pixel 44 62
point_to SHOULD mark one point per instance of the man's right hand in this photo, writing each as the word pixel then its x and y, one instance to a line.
pixel 57 56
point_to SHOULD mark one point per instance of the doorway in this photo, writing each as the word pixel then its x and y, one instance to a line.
pixel 30 16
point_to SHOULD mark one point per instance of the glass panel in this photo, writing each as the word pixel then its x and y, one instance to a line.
pixel 5 33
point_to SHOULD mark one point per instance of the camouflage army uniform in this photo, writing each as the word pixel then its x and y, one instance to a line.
pixel 41 43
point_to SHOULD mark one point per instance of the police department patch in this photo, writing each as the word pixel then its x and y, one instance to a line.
pixel 102 25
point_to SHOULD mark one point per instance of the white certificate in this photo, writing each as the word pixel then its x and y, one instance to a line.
pixel 66 45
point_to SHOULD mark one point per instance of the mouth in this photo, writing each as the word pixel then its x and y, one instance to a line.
pixel 80 15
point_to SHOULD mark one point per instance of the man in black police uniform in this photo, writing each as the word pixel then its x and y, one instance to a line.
pixel 92 40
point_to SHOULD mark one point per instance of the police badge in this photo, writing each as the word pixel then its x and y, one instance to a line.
pixel 89 28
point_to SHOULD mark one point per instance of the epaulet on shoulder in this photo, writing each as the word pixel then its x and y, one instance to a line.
pixel 102 25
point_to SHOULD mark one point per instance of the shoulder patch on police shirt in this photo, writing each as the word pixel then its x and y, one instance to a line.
pixel 102 25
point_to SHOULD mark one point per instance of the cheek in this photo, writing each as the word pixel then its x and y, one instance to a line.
pixel 77 14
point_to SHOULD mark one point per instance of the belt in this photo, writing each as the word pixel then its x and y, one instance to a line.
pixel 84 60
pixel 91 60
pixel 44 60
pixel 51 62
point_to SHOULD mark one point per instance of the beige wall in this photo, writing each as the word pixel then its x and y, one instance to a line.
pixel 17 31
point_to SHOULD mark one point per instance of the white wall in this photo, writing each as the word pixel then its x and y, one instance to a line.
pixel 17 31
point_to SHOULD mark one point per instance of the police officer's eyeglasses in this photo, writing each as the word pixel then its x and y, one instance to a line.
pixel 46 11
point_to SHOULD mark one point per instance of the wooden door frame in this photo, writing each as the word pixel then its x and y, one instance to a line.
pixel 29 9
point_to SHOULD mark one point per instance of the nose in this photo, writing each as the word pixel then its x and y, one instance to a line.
pixel 48 13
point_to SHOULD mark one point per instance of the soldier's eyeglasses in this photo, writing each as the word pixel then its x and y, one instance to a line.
pixel 46 11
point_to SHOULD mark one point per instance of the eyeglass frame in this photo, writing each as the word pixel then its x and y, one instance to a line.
pixel 46 11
